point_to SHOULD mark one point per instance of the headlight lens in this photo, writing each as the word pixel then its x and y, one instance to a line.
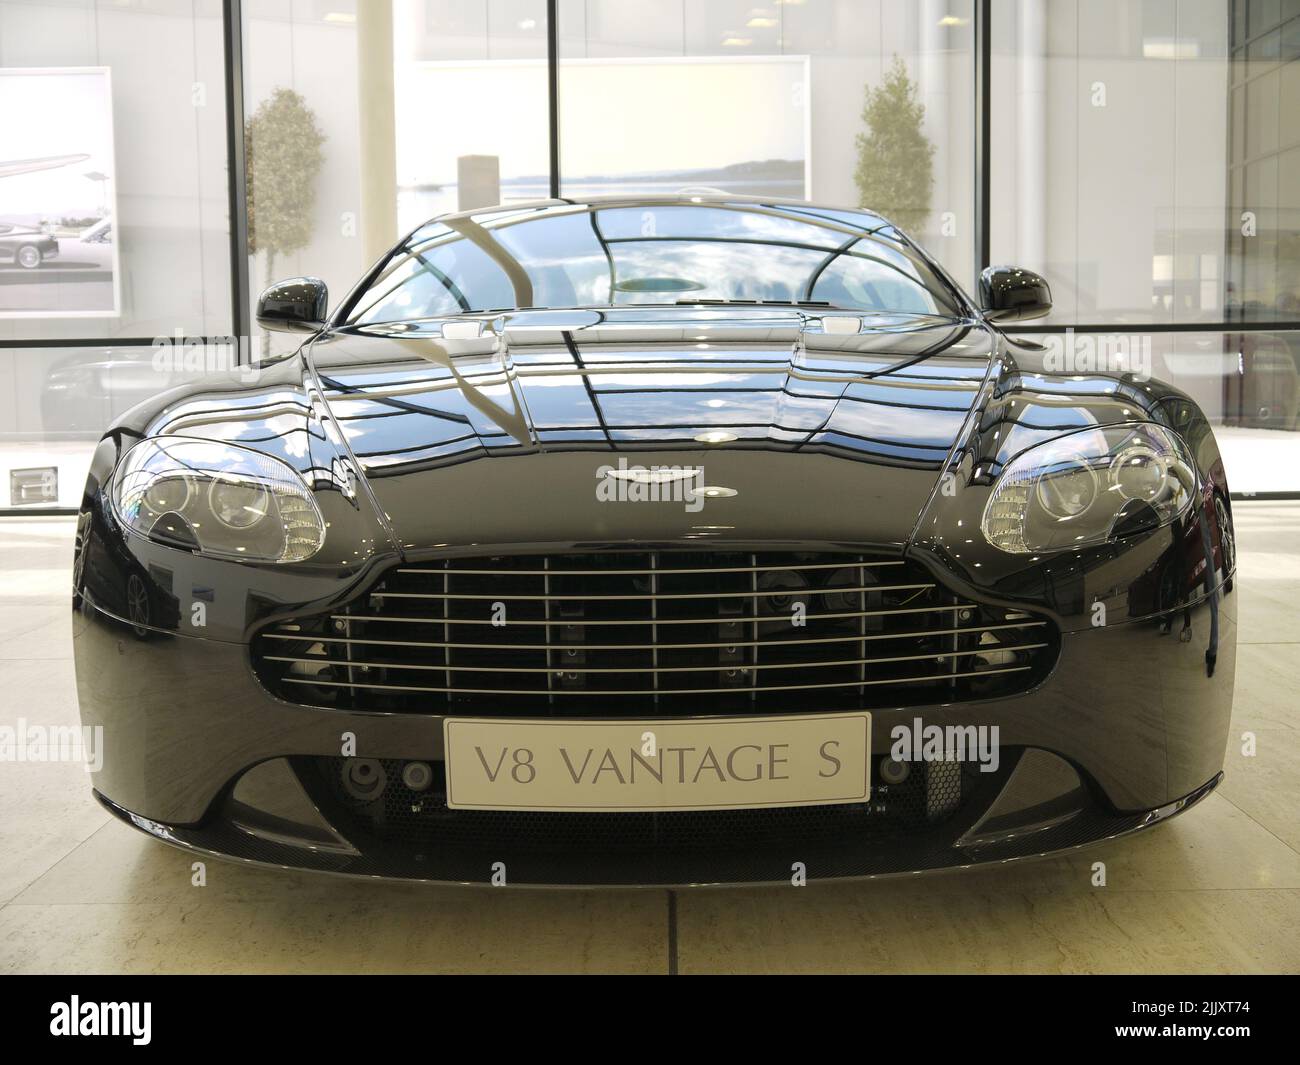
pixel 1089 486
pixel 238 504
pixel 220 499
pixel 1067 492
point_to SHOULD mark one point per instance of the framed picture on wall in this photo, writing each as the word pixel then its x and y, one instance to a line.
pixel 58 194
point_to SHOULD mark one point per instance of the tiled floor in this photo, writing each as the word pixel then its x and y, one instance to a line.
pixel 1215 891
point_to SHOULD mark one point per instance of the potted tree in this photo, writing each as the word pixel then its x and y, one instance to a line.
pixel 282 152
pixel 895 172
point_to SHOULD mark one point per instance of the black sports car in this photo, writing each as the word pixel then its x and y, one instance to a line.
pixel 663 541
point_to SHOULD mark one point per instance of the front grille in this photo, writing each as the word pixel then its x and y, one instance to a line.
pixel 642 633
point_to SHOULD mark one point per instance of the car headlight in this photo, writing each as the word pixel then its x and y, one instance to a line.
pixel 1088 487
pixel 219 499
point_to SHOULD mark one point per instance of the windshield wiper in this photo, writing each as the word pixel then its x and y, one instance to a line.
pixel 752 303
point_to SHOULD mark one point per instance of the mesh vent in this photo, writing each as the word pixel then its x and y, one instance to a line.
pixel 932 795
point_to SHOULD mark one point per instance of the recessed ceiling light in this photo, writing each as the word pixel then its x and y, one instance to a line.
pixel 737 42
pixel 761 23
pixel 715 436
pixel 462 330
pixel 661 475
pixel 953 20
pixel 1164 48
pixel 841 324
pixel 716 491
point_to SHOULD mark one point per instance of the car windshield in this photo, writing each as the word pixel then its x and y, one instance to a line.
pixel 624 255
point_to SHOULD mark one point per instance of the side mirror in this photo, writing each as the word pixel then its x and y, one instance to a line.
pixel 1009 294
pixel 299 305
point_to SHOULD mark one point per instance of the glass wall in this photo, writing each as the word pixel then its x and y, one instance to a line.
pixel 1263 273
pixel 302 147
pixel 842 102
pixel 471 105
pixel 156 178
pixel 113 218
pixel 1110 127
pixel 397 111
pixel 1146 161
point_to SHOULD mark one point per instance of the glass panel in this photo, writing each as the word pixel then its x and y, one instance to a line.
pixel 58 401
pixel 1262 100
pixel 471 105
pixel 1263 16
pixel 1247 384
pixel 303 147
pixel 1249 387
pixel 1130 172
pixel 131 193
pixel 364 120
pixel 807 101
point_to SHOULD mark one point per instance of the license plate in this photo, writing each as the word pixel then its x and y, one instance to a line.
pixel 708 764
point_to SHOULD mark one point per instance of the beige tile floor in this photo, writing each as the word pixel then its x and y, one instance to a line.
pixel 1215 891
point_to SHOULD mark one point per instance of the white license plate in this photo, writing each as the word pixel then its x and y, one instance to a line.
pixel 704 764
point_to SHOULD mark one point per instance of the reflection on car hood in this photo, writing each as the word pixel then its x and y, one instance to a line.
pixel 831 428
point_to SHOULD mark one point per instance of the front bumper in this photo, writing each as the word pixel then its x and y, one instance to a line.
pixel 249 835
pixel 1126 731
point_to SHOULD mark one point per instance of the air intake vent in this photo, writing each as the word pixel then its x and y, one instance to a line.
pixel 645 633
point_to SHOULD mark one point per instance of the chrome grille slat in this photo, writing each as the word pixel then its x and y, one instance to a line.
pixel 655 632
pixel 836 664
pixel 654 629
pixel 674 691
pixel 854 638
pixel 862 631
pixel 446 629
pixel 647 572
pixel 550 676
pixel 671 621
pixel 753 625
pixel 546 598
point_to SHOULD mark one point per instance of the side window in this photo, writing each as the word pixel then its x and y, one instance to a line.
pixel 562 257
pixel 451 278
pixel 876 283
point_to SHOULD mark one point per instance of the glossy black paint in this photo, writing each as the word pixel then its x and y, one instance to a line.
pixel 1010 294
pixel 481 433
pixel 299 305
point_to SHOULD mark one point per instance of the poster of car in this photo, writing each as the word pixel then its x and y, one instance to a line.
pixel 58 245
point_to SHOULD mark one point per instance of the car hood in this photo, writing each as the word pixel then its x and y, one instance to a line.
pixel 502 432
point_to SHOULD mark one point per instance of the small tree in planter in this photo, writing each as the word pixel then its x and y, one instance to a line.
pixel 283 157
pixel 895 173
